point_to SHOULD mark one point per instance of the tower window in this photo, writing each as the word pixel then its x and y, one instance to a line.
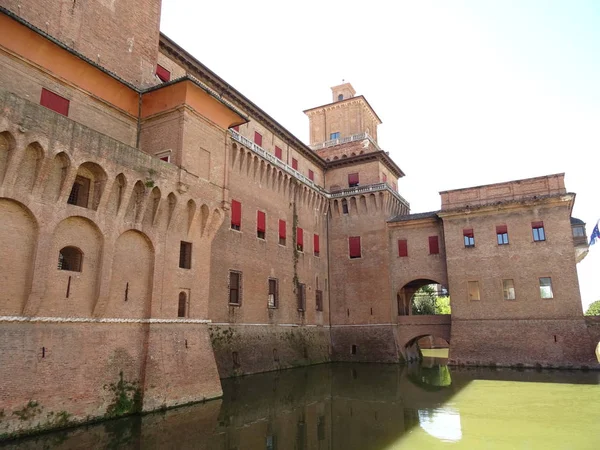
pixel 235 288
pixel 301 296
pixel 316 246
pixel 319 300
pixel 236 215
pixel 508 287
pixel 299 239
pixel 80 192
pixel 261 224
pixel 340 97
pixel 182 307
pixel 70 258
pixel 354 247
pixel 258 138
pixel 469 237
pixel 335 135
pixel 162 73
pixel 273 299
pixel 538 231
pixel 294 164
pixel 311 175
pixel 278 153
pixel 185 255
pixel 344 206
pixel 282 230
pixel 402 247
pixel 502 234
pixel 546 287
pixel 353 179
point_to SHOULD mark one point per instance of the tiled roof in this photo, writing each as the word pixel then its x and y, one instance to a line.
pixel 407 217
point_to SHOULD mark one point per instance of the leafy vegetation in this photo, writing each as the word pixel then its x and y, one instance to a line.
pixel 426 302
pixel 593 309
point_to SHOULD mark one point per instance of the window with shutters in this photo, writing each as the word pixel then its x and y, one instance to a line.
pixel 70 258
pixel 384 177
pixel 538 231
pixel 182 307
pixel 316 245
pixel 508 288
pixel 54 102
pixel 236 215
pixel 434 245
pixel 282 232
pixel 294 164
pixel 354 247
pixel 162 73
pixel 185 255
pixel 235 288
pixel 546 287
pixel 278 153
pixel 353 179
pixel 301 296
pixel 502 234
pixel 273 298
pixel 469 237
pixel 261 224
pixel 402 248
pixel 258 138
pixel 299 239
pixel 311 175
pixel 80 192
pixel 473 289
pixel 319 300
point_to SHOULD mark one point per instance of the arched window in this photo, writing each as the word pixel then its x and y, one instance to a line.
pixel 340 97
pixel 181 311
pixel 70 258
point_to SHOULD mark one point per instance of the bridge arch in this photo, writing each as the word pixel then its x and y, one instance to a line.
pixel 405 296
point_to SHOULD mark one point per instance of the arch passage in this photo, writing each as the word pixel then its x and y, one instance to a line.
pixel 411 291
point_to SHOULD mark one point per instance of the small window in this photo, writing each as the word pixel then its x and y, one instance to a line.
pixel 335 135
pixel 236 215
pixel 299 239
pixel 319 300
pixel 508 286
pixel 538 232
pixel 301 296
pixel 473 287
pixel 353 179
pixel 70 258
pixel 164 156
pixel 273 298
pixel 162 73
pixel 54 102
pixel 311 175
pixel 546 287
pixel 353 351
pixel 578 232
pixel 182 307
pixel 278 153
pixel 235 288
pixel 316 245
pixel 502 234
pixel 294 164
pixel 354 247
pixel 271 443
pixel 469 237
pixel 340 97
pixel 434 245
pixel 258 138
pixel 282 232
pixel 80 192
pixel 402 248
pixel 185 255
pixel 344 206
pixel 261 224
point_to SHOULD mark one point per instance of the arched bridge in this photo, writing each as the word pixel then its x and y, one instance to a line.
pixel 412 328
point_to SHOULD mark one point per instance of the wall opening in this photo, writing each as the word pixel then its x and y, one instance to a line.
pixel 182 307
pixel 70 258
pixel 423 297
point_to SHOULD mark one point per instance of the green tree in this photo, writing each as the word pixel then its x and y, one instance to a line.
pixel 442 305
pixel 426 302
pixel 594 309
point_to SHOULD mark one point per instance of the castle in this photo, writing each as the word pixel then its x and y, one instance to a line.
pixel 160 232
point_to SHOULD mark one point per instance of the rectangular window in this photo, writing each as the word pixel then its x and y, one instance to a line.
pixel 473 287
pixel 502 234
pixel 354 246
pixel 80 192
pixel 538 231
pixel 469 237
pixel 353 179
pixel 273 300
pixel 546 287
pixel 278 153
pixel 578 232
pixel 185 255
pixel 311 175
pixel 162 73
pixel 384 177
pixel 281 232
pixel 258 138
pixel 54 102
pixel 402 247
pixel 344 206
pixel 235 288
pixel 294 164
pixel 316 246
pixel 299 239
pixel 434 245
pixel 236 215
pixel 508 286
pixel 335 135
pixel 319 300
pixel 301 296
pixel 261 224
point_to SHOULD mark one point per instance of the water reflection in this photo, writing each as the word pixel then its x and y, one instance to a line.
pixel 350 407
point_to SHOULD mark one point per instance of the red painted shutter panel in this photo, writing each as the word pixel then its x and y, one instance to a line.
pixel 402 247
pixel 311 175
pixel 258 138
pixel 468 232
pixel 282 228
pixel 501 229
pixel 162 73
pixel 300 236
pixel 236 213
pixel 354 246
pixel 278 152
pixel 261 221
pixel 384 178
pixel 353 178
pixel 434 245
pixel 54 102
pixel 316 243
pixel 537 224
pixel 294 164
pixel 237 128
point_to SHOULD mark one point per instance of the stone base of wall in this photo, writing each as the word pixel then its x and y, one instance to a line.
pixel 373 344
pixel 246 349
pixel 57 374
pixel 563 343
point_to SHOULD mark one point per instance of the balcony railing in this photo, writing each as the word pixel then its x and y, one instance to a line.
pixel 366 189
pixel 345 140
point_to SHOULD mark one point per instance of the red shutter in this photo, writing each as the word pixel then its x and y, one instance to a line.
pixel 278 152
pixel 237 128
pixel 258 138
pixel 402 247
pixel 468 232
pixel 311 175
pixel 300 236
pixel 354 246
pixel 501 229
pixel 162 73
pixel 384 178
pixel 261 221
pixel 434 245
pixel 294 164
pixel 282 229
pixel 537 224
pixel 352 178
pixel 316 244
pixel 54 102
pixel 236 213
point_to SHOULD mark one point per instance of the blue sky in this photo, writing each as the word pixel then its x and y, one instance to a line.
pixel 470 92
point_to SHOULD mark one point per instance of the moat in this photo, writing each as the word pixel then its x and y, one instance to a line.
pixel 366 407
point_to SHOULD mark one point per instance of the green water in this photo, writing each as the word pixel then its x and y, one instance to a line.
pixel 366 407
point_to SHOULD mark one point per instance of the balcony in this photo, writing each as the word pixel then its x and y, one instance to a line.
pixel 345 140
pixel 368 189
